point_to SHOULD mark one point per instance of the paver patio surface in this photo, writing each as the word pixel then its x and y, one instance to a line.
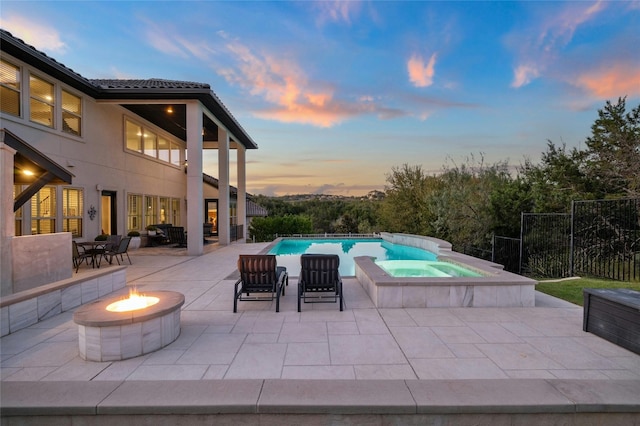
pixel 362 342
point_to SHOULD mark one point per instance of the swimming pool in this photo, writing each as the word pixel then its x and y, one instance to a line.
pixel 288 252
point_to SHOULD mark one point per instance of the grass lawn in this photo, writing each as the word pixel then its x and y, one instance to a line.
pixel 571 290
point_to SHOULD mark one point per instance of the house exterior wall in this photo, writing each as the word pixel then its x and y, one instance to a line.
pixel 98 159
pixel 99 162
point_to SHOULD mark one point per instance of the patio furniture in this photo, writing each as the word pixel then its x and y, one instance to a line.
pixel 112 241
pixel 320 280
pixel 79 256
pixel 260 279
pixel 177 236
pixel 96 249
pixel 121 250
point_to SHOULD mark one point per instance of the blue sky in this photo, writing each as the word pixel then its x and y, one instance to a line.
pixel 336 94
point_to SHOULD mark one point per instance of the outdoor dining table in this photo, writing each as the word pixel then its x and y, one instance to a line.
pixel 96 249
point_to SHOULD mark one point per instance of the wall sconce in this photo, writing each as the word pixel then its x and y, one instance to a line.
pixel 92 212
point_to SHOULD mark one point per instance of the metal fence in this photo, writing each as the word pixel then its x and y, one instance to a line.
pixel 606 239
pixel 546 245
pixel 600 238
pixel 506 251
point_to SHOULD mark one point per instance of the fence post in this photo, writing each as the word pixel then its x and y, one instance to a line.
pixel 571 237
pixel 493 248
pixel 521 243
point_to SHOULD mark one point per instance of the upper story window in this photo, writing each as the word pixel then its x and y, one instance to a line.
pixel 9 88
pixel 144 141
pixel 42 101
pixel 71 113
pixel 150 143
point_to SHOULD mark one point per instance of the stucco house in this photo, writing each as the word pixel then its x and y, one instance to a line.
pixel 80 157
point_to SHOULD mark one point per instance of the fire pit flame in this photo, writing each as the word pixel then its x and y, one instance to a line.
pixel 133 303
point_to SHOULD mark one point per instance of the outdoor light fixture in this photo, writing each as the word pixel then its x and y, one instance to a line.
pixel 27 172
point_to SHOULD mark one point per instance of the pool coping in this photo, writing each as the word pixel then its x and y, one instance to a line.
pixel 349 397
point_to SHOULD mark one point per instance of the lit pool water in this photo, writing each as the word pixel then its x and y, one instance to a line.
pixel 425 268
pixel 288 252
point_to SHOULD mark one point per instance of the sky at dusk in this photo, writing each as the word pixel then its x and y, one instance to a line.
pixel 336 94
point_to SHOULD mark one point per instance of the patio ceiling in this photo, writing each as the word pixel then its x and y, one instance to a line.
pixel 173 119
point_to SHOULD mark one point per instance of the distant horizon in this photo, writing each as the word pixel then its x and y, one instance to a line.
pixel 338 93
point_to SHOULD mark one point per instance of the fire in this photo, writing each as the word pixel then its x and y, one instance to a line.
pixel 134 302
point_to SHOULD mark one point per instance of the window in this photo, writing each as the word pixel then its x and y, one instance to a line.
pixel 133 135
pixel 134 212
pixel 9 88
pixel 43 211
pixel 150 210
pixel 144 141
pixel 71 113
pixel 72 211
pixel 164 210
pixel 163 149
pixel 42 101
pixel 150 144
pixel 175 211
pixel 175 154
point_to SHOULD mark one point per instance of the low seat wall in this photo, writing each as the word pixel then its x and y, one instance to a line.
pixel 25 308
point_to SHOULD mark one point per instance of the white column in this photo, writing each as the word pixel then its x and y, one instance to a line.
pixel 224 236
pixel 195 194
pixel 7 219
pixel 242 190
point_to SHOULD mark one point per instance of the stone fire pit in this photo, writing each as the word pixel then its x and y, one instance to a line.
pixel 105 335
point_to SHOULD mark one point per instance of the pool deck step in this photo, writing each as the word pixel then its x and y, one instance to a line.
pixel 321 401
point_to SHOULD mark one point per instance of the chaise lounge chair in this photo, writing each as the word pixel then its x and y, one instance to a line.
pixel 320 280
pixel 260 280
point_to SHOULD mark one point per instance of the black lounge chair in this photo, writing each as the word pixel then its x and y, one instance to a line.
pixel 177 236
pixel 320 280
pixel 121 250
pixel 260 279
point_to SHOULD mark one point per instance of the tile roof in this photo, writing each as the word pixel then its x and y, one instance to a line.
pixel 138 89
pixel 152 83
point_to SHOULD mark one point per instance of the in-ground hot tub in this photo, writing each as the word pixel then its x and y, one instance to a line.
pixel 142 324
pixel 490 287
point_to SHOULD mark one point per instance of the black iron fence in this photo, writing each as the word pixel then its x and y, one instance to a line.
pixel 600 238
pixel 506 251
pixel 606 239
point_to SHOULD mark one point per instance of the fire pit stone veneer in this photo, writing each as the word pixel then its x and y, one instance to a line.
pixel 114 336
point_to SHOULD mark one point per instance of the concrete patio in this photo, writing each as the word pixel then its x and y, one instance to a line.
pixel 322 366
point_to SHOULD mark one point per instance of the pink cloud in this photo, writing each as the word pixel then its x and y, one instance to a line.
pixel 421 75
pixel 611 82
pixel 284 85
pixel 41 36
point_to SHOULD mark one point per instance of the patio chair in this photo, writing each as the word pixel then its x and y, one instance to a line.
pixel 112 242
pixel 260 279
pixel 80 255
pixel 121 250
pixel 320 280
pixel 177 236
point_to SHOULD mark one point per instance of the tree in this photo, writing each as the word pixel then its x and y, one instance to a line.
pixel 557 180
pixel 405 207
pixel 266 228
pixel 613 150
